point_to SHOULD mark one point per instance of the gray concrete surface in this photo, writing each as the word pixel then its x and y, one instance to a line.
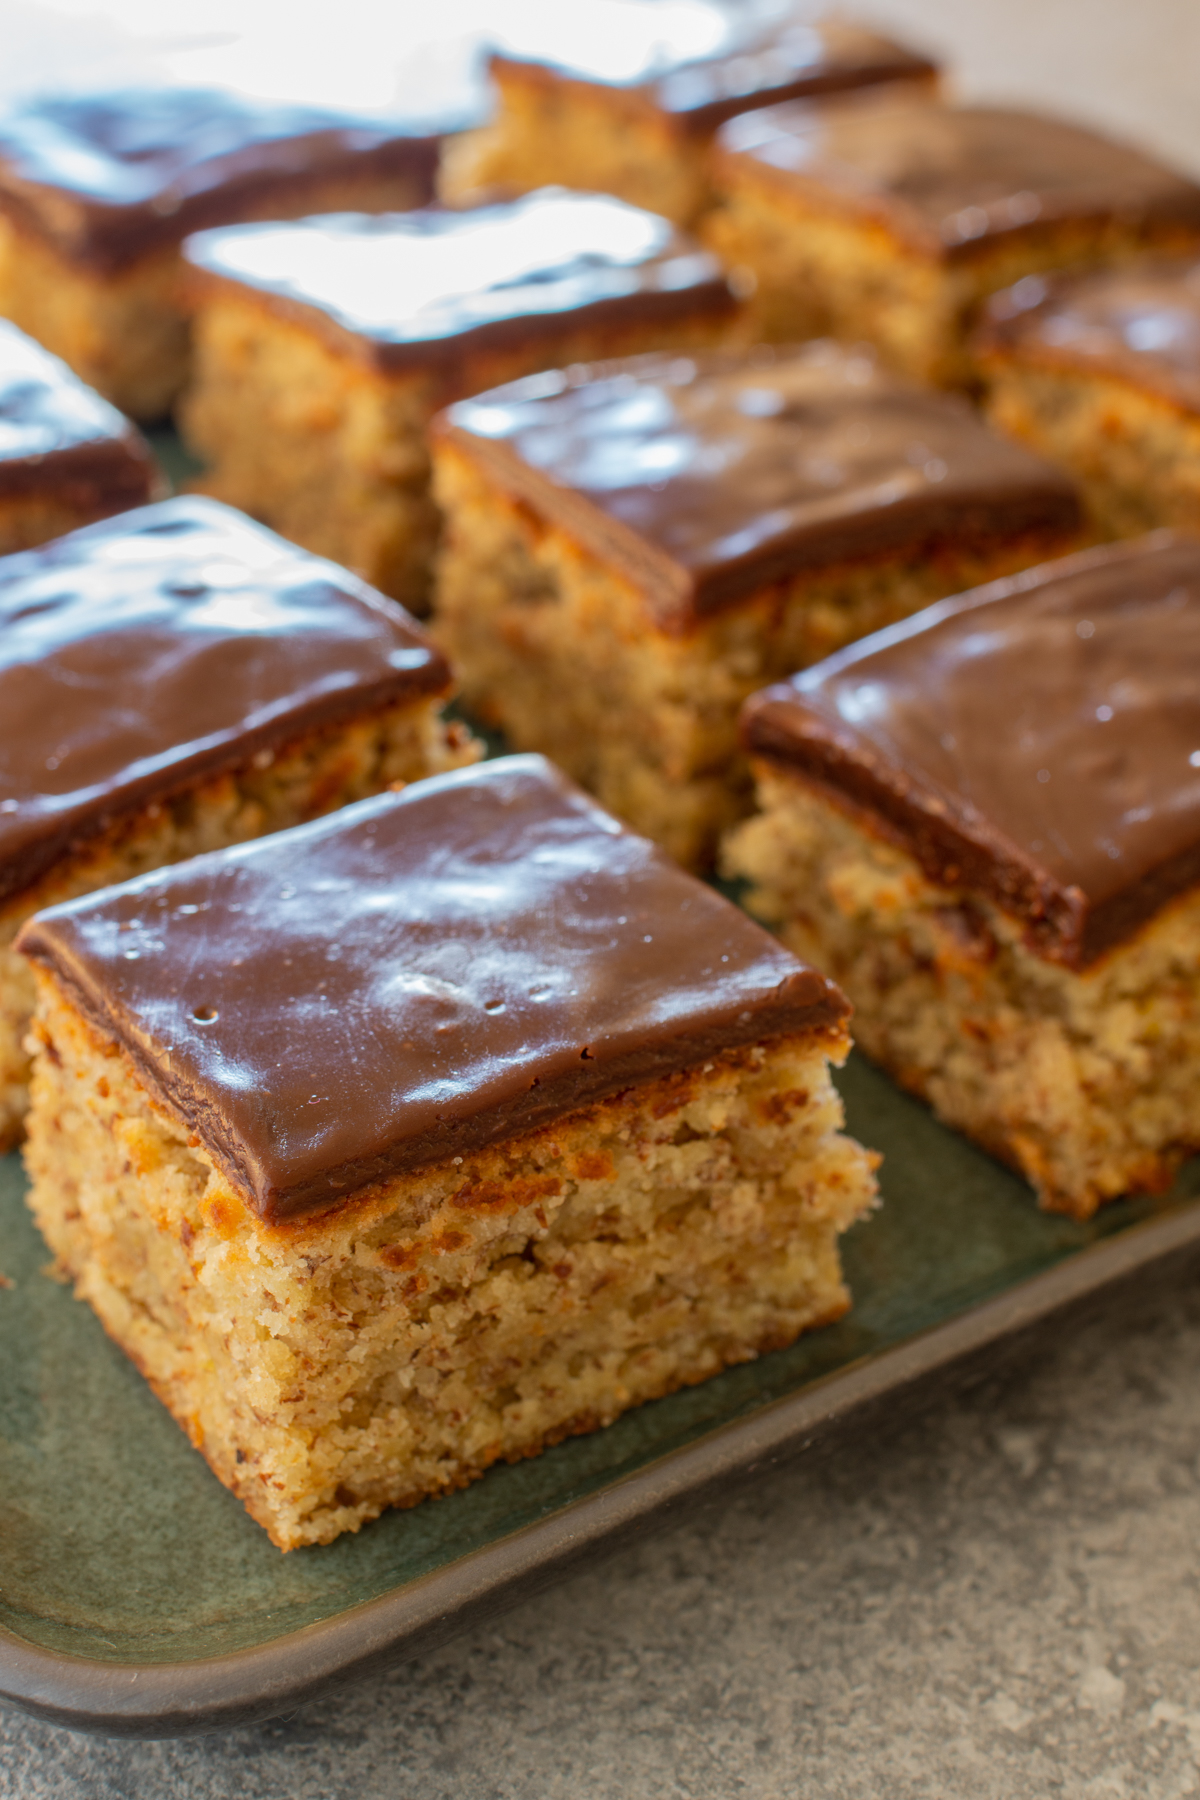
pixel 1000 1600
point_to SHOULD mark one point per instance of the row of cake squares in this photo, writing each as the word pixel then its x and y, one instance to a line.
pixel 880 213
pixel 631 549
pixel 99 190
pixel 424 1131
pixel 623 627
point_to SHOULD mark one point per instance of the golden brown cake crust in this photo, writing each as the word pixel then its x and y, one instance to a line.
pixel 1084 1081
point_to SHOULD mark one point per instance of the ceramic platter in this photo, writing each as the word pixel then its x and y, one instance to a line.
pixel 137 1597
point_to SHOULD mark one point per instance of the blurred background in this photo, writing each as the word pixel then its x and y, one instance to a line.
pixel 1132 68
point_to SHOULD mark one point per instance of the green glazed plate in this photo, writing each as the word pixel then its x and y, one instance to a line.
pixel 137 1597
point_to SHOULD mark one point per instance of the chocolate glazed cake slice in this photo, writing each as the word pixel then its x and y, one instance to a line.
pixel 324 349
pixel 619 98
pixel 175 679
pixel 889 220
pixel 429 1133
pixel 631 549
pixel 97 192
pixel 1101 373
pixel 66 456
pixel 986 824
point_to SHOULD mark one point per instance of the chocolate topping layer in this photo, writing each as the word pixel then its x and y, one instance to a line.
pixel 950 179
pixel 1140 324
pixel 701 62
pixel 1037 741
pixel 416 976
pixel 106 178
pixel 411 289
pixel 58 437
pixel 705 478
pixel 168 643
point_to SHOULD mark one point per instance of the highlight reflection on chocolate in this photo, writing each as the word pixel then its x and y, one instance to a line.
pixel 1142 323
pixel 59 439
pixel 427 286
pixel 705 477
pixel 107 178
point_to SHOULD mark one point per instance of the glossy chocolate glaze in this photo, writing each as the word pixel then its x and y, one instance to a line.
pixel 1140 324
pixel 705 478
pixel 107 178
pixel 58 437
pixel 169 643
pixel 412 289
pixel 417 976
pixel 951 179
pixel 701 62
pixel 1037 741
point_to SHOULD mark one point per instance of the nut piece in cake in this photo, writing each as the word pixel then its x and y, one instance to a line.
pixel 66 456
pixel 323 349
pixel 97 192
pixel 625 98
pixel 422 1136
pixel 632 550
pixel 1102 374
pixel 177 679
pixel 985 823
pixel 885 219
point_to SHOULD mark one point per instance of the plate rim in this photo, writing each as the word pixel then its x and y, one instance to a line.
pixel 248 1686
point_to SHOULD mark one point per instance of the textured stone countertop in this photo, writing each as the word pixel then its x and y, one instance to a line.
pixel 999 1598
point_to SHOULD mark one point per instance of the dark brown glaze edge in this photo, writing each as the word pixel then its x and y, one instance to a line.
pixel 805 1004
pixel 445 356
pixel 954 845
pixel 699 123
pixel 1002 344
pixel 680 602
pixel 1169 225
pixel 121 469
pixel 404 686
pixel 113 239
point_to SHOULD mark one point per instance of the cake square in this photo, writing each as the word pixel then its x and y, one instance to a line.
pixel 425 1135
pixel 176 679
pixel 884 218
pixel 631 550
pixel 625 98
pixel 323 349
pixel 1102 374
pixel 985 823
pixel 97 192
pixel 66 456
